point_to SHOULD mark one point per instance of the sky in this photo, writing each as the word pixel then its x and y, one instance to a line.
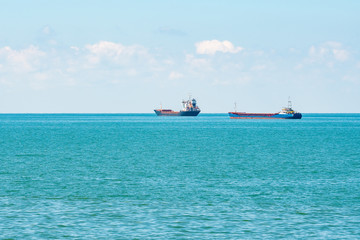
pixel 133 56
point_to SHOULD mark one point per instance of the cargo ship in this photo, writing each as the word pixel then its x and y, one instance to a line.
pixel 190 108
pixel 285 113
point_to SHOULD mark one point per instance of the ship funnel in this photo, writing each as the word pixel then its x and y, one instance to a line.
pixel 194 102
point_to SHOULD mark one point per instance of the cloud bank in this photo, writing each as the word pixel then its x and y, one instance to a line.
pixel 329 50
pixel 24 60
pixel 107 62
pixel 115 52
pixel 210 47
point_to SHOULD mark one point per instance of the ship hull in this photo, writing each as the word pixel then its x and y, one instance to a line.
pixel 240 115
pixel 160 112
pixel 189 113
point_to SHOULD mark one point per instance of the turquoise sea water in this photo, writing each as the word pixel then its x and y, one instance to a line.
pixel 118 176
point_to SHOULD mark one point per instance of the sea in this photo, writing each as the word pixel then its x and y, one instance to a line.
pixel 139 176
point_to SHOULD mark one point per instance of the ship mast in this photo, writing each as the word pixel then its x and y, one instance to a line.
pixel 289 103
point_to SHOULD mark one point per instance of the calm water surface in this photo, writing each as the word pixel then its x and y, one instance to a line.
pixel 139 176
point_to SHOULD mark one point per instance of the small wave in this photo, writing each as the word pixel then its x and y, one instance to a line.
pixel 30 155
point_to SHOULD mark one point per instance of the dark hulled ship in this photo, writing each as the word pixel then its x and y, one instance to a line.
pixel 190 108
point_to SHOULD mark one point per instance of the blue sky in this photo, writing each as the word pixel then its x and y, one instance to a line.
pixel 130 56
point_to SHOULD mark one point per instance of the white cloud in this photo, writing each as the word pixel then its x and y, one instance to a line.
pixel 169 62
pixel 46 30
pixel 110 49
pixel 332 44
pixel 47 36
pixel 259 67
pixel 175 75
pixel 351 79
pixel 293 50
pixel 328 51
pixel 210 47
pixel 24 60
pixel 299 66
pixel 39 81
pixel 117 53
pixel 132 72
pixel 76 49
pixel 340 54
pixel 257 53
pixel 109 62
pixel 106 48
pixel 198 62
